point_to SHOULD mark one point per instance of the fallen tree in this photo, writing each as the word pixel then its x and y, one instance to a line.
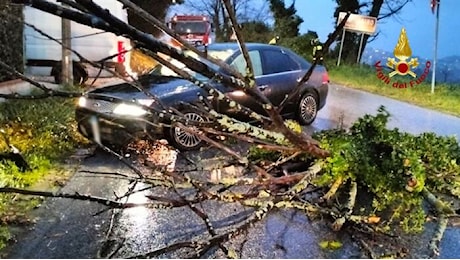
pixel 285 166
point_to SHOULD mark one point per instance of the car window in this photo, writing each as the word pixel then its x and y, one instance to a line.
pixel 239 63
pixel 276 61
pixel 163 70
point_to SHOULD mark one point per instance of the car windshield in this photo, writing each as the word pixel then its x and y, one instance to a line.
pixel 190 27
pixel 217 54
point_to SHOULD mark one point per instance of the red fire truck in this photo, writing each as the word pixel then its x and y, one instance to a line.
pixel 195 29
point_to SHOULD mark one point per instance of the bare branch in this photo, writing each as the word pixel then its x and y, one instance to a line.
pixel 160 25
pixel 48 92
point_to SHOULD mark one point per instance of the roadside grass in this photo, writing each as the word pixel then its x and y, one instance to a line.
pixel 45 133
pixel 445 99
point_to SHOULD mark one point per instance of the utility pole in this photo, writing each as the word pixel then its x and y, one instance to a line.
pixel 67 66
pixel 436 6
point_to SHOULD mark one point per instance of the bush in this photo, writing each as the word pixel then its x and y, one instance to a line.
pixel 392 169
pixel 300 45
pixel 45 132
pixel 45 127
pixel 393 166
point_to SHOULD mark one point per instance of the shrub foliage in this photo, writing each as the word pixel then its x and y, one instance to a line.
pixel 393 166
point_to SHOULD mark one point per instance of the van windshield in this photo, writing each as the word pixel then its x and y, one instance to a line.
pixel 190 27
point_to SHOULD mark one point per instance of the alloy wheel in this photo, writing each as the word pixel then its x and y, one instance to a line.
pixel 186 139
pixel 308 108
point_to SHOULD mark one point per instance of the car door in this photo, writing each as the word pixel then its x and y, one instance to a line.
pixel 280 75
pixel 239 63
pixel 275 74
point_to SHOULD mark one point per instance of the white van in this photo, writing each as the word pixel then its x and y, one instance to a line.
pixel 43 56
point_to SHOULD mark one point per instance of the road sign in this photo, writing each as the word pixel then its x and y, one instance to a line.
pixel 359 23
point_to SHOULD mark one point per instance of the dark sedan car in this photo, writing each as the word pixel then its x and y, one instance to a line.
pixel 277 71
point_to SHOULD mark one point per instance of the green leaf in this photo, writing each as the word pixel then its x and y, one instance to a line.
pixel 330 245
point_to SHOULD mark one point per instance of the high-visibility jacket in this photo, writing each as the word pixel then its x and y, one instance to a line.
pixel 318 52
pixel 273 41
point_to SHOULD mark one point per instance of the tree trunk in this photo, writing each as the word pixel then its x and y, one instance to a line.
pixel 216 21
pixel 375 11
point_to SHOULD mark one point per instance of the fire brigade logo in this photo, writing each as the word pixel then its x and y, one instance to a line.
pixel 403 64
pixel 402 52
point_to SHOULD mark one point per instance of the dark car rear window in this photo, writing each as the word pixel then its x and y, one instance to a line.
pixel 276 61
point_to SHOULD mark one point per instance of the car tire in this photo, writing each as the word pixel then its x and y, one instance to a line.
pixel 182 140
pixel 307 108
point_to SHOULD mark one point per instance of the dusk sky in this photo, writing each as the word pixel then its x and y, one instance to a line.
pixel 416 18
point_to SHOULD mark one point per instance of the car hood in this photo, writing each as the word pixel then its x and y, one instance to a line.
pixel 160 86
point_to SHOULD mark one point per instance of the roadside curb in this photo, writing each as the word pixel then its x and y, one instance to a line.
pixel 10 82
pixel 21 87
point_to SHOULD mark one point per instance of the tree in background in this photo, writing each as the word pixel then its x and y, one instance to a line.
pixel 158 8
pixel 249 13
pixel 286 26
pixel 256 31
pixel 376 8
pixel 11 27
pixel 301 44
pixel 287 22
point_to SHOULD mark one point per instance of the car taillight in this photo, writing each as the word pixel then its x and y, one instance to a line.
pixel 325 77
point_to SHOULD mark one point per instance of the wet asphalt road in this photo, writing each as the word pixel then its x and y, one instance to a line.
pixel 352 104
pixel 67 229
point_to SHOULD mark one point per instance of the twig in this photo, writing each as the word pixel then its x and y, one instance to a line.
pixel 121 158
pixel 216 94
pixel 334 188
pixel 282 161
pixel 243 160
pixel 438 234
pixel 201 214
pixel 367 248
pixel 160 25
pixel 303 183
pixel 442 211
pixel 255 217
pixel 76 196
pixel 439 206
pixel 250 77
pixel 48 92
pixel 256 141
pixel 307 75
pixel 338 223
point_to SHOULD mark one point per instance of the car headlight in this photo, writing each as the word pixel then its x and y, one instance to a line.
pixel 82 102
pixel 145 102
pixel 129 110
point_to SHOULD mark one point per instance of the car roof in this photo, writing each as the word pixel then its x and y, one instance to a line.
pixel 222 46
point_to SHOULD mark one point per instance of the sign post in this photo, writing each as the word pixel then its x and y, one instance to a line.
pixel 360 48
pixel 435 5
pixel 356 23
pixel 341 47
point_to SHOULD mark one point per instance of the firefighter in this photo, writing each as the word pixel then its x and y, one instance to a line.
pixel 274 40
pixel 317 50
